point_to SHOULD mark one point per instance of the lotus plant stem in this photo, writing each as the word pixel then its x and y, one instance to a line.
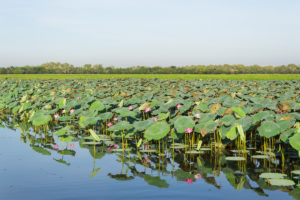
pixel 136 142
pixel 158 147
pixel 122 141
pixel 282 161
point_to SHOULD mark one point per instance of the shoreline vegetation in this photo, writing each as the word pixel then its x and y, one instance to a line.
pixel 66 68
pixel 158 76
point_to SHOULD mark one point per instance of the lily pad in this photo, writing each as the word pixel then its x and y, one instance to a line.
pixel 235 158
pixel 272 175
pixel 281 182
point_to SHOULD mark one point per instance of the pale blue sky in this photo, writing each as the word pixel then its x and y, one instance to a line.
pixel 150 32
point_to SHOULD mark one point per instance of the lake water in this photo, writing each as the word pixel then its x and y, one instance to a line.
pixel 81 173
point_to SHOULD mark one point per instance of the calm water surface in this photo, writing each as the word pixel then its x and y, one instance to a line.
pixel 26 173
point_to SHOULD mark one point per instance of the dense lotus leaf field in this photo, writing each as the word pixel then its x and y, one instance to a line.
pixel 153 114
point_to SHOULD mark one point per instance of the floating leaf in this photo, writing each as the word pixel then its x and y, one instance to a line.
pixel 281 182
pixel 272 175
pixel 235 158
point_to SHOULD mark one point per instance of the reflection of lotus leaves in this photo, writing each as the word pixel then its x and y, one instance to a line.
pixel 156 181
pixel 121 177
pixel 41 150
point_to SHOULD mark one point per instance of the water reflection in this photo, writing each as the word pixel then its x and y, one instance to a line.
pixel 210 166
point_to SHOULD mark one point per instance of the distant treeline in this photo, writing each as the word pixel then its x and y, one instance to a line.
pixel 65 68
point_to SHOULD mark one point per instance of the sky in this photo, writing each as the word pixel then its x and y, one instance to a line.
pixel 127 33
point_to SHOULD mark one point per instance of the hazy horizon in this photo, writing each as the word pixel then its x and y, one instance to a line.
pixel 149 33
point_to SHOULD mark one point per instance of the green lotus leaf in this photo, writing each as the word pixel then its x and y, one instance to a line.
pixel 41 120
pixel 61 103
pixel 84 121
pixel 232 133
pixel 65 118
pixel 182 123
pixel 228 120
pixel 206 127
pixel 143 125
pixel 297 172
pixel 105 116
pixel 203 107
pixel 16 109
pixel 260 157
pixel 262 115
pixel 163 116
pixel 295 141
pixel 121 126
pixel 246 122
pixel 157 131
pixel 2 106
pixel 285 124
pixel 97 106
pixel 272 175
pixel 281 182
pixel 286 134
pixel 234 158
pixel 205 117
pixel 239 112
pixel 186 106
pixel 269 129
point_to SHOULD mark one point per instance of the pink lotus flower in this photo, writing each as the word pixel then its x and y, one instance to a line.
pixel 56 116
pixel 147 109
pixel 180 152
pixel 71 111
pixel 63 111
pixel 72 145
pixel 197 176
pixel 155 119
pixel 197 115
pixel 130 108
pixel 109 149
pixel 109 124
pixel 77 97
pixel 56 147
pixel 115 119
pixel 116 146
pixel 189 181
pixel 178 106
pixel 188 130
pixel 147 160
